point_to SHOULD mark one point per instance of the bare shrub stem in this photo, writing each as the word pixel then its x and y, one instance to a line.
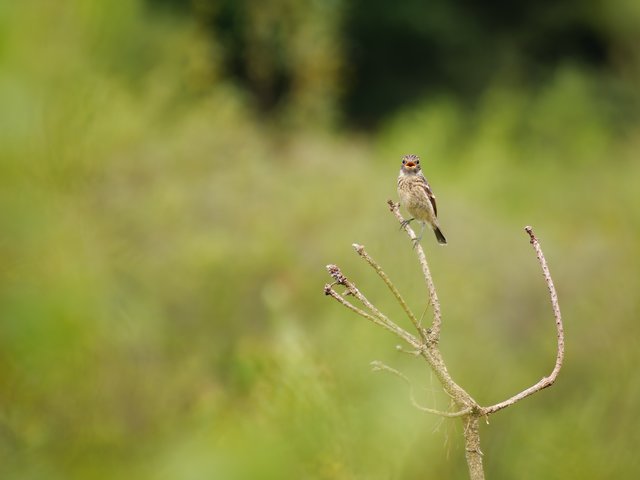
pixel 426 344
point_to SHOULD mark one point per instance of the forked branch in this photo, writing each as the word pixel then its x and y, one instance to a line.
pixel 426 344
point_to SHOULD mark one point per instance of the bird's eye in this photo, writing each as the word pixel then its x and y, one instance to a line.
pixel 404 161
pixel 417 162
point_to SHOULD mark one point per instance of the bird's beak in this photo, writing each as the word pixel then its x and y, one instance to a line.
pixel 410 165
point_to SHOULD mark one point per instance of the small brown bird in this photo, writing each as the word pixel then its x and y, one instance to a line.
pixel 416 196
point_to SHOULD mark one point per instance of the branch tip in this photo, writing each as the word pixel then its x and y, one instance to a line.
pixel 336 274
pixel 532 236
pixel 377 365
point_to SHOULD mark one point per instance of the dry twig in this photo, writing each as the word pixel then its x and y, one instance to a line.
pixel 426 345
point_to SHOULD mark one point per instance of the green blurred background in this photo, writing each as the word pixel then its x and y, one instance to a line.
pixel 174 176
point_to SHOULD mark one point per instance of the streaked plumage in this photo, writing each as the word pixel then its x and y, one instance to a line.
pixel 417 197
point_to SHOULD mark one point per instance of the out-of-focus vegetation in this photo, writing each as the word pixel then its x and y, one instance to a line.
pixel 173 181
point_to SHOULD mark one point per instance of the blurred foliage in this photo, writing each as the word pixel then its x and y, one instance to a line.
pixel 285 54
pixel 287 51
pixel 165 231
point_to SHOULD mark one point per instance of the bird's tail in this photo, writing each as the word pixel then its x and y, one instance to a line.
pixel 439 236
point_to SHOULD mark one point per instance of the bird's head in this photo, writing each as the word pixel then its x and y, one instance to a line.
pixel 410 164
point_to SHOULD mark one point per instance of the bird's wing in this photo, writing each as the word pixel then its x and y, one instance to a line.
pixel 430 196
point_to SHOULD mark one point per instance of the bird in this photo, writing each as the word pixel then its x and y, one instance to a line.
pixel 418 198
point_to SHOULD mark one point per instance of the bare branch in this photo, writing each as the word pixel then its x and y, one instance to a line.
pixel 379 366
pixel 469 410
pixel 545 381
pixel 473 453
pixel 413 353
pixel 363 253
pixel 378 317
pixel 433 356
pixel 433 296
pixel 328 290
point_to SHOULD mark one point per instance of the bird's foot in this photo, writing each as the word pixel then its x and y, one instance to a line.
pixel 405 223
